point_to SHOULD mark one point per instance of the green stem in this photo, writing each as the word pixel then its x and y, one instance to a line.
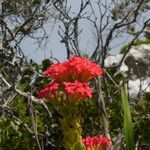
pixel 72 130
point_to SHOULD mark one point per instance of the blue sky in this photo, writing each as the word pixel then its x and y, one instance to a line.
pixel 54 46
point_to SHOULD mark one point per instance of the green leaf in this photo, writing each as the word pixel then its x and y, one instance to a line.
pixel 36 2
pixel 14 126
pixel 47 1
pixel 128 127
pixel 28 71
pixel 78 146
pixel 46 63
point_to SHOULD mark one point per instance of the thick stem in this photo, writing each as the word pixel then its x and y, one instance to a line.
pixel 71 128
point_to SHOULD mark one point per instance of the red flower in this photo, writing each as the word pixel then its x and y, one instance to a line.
pixel 84 69
pixel 58 72
pixel 77 90
pixel 76 68
pixel 71 75
pixel 96 142
pixel 49 92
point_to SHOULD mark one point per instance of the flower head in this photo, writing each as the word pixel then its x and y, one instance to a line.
pixel 72 76
pixel 77 90
pixel 58 72
pixel 84 69
pixel 96 142
pixel 76 68
pixel 49 92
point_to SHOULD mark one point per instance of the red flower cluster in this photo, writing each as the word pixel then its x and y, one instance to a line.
pixel 72 77
pixel 49 92
pixel 78 90
pixel 84 69
pixel 76 68
pixel 96 142
pixel 58 72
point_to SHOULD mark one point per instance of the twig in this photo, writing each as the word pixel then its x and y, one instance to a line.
pixel 102 107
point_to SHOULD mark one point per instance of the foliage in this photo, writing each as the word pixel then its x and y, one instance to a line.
pixel 141 121
pixel 136 43
pixel 128 127
pixel 49 132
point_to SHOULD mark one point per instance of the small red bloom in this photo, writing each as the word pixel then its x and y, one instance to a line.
pixel 77 90
pixel 84 69
pixel 49 92
pixel 58 72
pixel 96 142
